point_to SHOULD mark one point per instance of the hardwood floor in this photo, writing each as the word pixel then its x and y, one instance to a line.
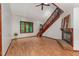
pixel 38 47
pixel 65 45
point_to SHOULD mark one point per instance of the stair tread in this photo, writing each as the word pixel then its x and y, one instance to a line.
pixel 65 45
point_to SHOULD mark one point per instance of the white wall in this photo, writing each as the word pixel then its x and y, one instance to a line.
pixel 68 9
pixel 75 25
pixel 76 28
pixel 54 31
pixel 16 26
pixel 71 19
pixel 6 27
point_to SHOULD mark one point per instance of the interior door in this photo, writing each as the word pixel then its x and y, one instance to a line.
pixel 0 33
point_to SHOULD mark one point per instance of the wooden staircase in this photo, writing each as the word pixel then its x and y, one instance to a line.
pixel 54 16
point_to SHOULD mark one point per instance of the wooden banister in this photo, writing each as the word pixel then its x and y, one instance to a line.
pixel 57 7
pixel 50 16
pixel 54 16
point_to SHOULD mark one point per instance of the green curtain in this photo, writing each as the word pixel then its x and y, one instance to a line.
pixel 22 26
pixel 31 27
pixel 27 27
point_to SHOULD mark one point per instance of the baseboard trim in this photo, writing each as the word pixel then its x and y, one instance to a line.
pixel 50 38
pixel 60 45
pixel 25 37
pixel 8 47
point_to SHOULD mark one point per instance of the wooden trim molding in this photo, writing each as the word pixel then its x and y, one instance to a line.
pixel 26 37
pixel 8 47
pixel 50 38
pixel 0 31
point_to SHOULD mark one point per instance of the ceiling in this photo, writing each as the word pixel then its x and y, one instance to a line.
pixel 29 10
pixel 67 7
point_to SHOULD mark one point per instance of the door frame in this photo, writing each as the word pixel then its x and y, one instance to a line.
pixel 0 32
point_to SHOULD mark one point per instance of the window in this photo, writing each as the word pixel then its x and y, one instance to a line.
pixel 26 27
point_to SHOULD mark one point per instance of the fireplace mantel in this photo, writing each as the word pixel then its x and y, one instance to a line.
pixel 67 30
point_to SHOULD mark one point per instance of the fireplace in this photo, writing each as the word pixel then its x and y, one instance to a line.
pixel 67 32
pixel 67 35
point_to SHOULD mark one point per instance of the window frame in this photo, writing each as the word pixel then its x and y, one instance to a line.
pixel 25 27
